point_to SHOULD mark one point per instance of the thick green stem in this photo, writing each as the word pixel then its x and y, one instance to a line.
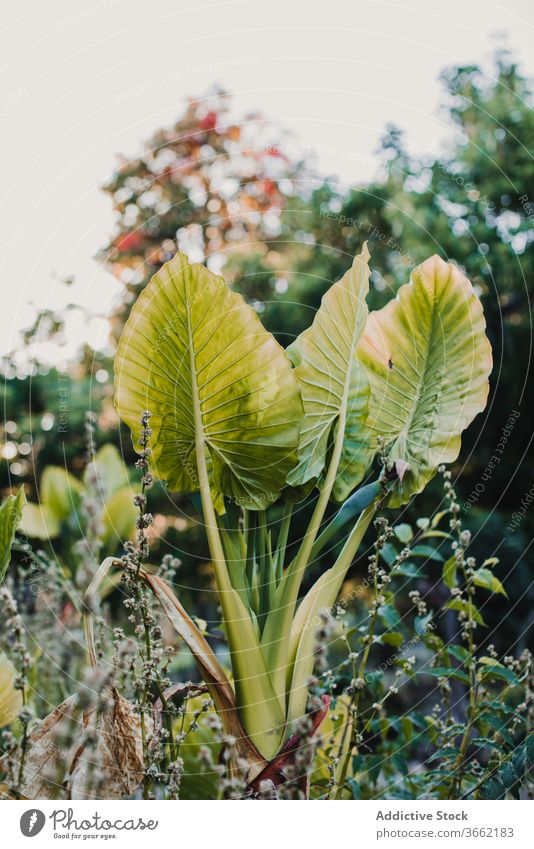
pixel 296 569
pixel 250 564
pixel 281 544
pixel 278 625
pixel 266 573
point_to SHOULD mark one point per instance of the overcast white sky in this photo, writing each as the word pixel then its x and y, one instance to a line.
pixel 82 81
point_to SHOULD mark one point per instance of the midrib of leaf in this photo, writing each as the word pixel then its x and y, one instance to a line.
pixel 421 381
pixel 221 574
pixel 263 715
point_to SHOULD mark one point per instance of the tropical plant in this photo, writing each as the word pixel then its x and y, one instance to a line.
pixel 245 423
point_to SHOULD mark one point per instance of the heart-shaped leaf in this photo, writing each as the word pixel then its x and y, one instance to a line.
pixel 428 360
pixel 196 355
pixel 334 385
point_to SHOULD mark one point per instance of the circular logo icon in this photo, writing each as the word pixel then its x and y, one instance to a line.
pixel 32 822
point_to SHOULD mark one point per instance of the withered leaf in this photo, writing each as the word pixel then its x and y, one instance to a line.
pixel 78 755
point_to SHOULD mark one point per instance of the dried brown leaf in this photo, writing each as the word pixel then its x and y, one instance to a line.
pixel 110 769
pixel 45 761
pixel 114 768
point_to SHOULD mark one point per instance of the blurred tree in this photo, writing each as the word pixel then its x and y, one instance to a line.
pixel 210 186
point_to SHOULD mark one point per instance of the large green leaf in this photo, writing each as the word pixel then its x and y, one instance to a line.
pixel 428 361
pixel 333 383
pixel 10 516
pixel 196 355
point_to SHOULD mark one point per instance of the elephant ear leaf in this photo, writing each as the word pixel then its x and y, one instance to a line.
pixel 196 356
pixel 334 385
pixel 428 360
